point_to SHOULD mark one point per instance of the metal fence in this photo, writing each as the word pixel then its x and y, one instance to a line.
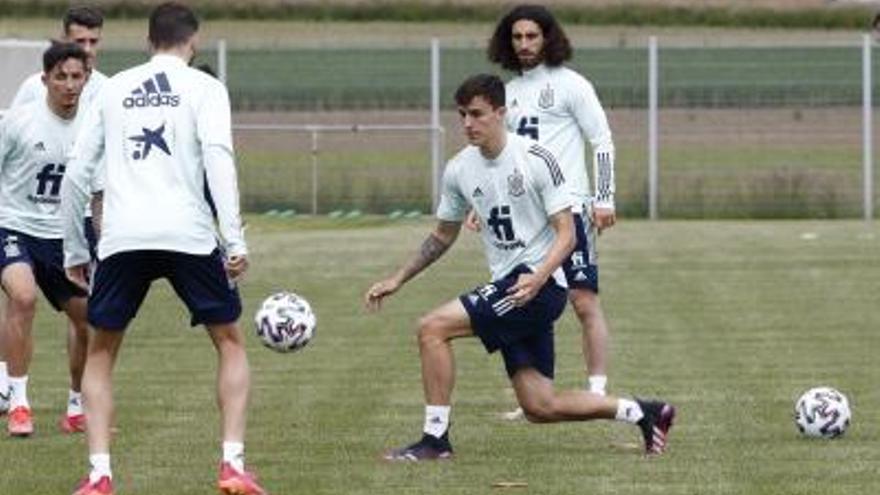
pixel 729 130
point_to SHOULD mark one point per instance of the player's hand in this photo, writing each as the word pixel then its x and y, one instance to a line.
pixel 79 275
pixel 603 218
pixel 236 266
pixel 472 221
pixel 373 298
pixel 525 289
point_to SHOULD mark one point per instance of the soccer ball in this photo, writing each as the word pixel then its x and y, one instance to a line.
pixel 822 412
pixel 285 322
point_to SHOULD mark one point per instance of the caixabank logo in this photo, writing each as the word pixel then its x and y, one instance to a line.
pixel 154 92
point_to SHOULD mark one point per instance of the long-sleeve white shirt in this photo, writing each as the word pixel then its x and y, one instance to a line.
pixel 162 127
pixel 558 108
pixel 34 144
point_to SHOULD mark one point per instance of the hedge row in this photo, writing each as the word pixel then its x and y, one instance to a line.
pixel 414 11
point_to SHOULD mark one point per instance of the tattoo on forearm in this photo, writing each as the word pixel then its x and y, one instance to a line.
pixel 432 249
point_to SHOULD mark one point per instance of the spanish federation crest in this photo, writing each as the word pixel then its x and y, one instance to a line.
pixel 515 182
pixel 10 247
pixel 545 100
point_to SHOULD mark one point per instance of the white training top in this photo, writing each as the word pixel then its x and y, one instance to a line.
pixel 34 144
pixel 514 195
pixel 162 127
pixel 558 107
pixel 33 89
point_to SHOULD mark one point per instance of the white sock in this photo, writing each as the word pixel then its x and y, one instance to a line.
pixel 4 381
pixel 597 384
pixel 18 384
pixel 100 467
pixel 436 420
pixel 74 403
pixel 628 411
pixel 233 453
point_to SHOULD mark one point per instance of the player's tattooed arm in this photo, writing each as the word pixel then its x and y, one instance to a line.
pixel 431 250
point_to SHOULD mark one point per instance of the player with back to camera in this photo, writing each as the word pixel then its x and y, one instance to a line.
pixel 558 108
pixel 160 130
pixel 83 26
pixel 519 189
pixel 35 139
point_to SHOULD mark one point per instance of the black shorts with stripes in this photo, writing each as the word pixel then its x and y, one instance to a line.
pixel 524 335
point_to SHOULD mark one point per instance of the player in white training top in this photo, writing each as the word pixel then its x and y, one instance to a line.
pixel 558 108
pixel 83 26
pixel 517 188
pixel 34 142
pixel 161 130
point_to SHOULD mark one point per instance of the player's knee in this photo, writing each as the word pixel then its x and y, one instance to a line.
pixel 23 304
pixel 431 330
pixel 538 411
pixel 585 303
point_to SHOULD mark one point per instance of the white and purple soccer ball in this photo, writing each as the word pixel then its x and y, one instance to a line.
pixel 285 322
pixel 822 412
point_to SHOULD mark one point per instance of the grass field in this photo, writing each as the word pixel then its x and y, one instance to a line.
pixel 731 321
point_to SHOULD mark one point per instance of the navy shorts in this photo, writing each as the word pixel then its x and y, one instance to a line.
pixel 580 268
pixel 46 259
pixel 121 282
pixel 524 335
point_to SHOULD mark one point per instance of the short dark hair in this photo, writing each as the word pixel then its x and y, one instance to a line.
pixel 59 51
pixel 557 47
pixel 89 17
pixel 489 86
pixel 171 24
pixel 875 24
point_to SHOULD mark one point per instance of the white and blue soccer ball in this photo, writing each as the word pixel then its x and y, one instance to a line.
pixel 285 322
pixel 822 412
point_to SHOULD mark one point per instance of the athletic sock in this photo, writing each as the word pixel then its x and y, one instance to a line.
pixel 100 467
pixel 596 384
pixel 628 411
pixel 74 403
pixel 233 453
pixel 4 380
pixel 18 384
pixel 436 420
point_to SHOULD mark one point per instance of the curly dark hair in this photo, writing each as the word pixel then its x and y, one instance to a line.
pixel 557 48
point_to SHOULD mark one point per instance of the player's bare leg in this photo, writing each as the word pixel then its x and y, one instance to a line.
pixel 437 330
pixel 542 404
pixel 233 379
pixel 233 393
pixel 97 389
pixel 21 291
pixel 73 420
pixel 594 338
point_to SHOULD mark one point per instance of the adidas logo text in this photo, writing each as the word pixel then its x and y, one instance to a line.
pixel 154 92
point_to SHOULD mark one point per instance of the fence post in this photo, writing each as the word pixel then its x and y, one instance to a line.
pixel 653 174
pixel 436 151
pixel 867 129
pixel 314 172
pixel 221 60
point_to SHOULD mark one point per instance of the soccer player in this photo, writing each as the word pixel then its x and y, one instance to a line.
pixel 82 26
pixel 35 139
pixel 558 108
pixel 519 189
pixel 158 131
